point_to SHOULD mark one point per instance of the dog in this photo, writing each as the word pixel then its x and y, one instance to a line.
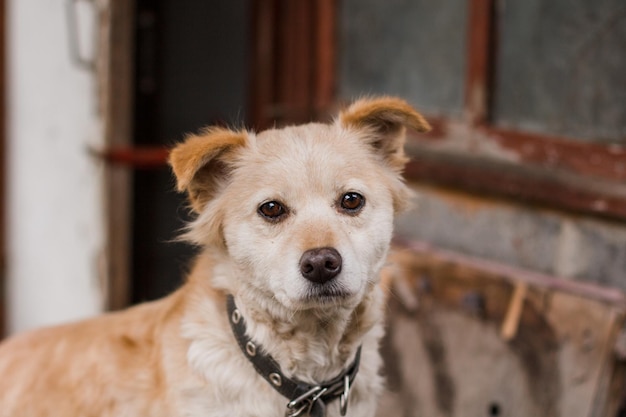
pixel 282 312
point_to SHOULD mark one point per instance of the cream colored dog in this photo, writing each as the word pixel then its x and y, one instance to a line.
pixel 295 224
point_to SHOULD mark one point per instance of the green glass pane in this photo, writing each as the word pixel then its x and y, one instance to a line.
pixel 411 48
pixel 561 68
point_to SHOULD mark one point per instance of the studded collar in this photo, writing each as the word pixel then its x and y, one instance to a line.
pixel 303 398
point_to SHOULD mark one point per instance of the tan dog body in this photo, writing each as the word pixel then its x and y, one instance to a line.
pixel 263 202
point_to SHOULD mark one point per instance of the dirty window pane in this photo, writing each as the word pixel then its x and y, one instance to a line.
pixel 561 68
pixel 411 48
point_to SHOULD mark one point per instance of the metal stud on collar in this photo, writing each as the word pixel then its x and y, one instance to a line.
pixel 276 379
pixel 304 403
pixel 236 316
pixel 251 349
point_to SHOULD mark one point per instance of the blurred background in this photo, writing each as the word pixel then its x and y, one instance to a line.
pixel 508 300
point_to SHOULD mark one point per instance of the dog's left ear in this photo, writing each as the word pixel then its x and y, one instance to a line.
pixel 386 119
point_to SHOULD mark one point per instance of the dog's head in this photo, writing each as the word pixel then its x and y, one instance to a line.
pixel 304 213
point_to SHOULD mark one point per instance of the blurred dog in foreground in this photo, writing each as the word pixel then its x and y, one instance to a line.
pixel 282 312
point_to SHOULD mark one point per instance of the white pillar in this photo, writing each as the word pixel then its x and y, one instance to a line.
pixel 55 220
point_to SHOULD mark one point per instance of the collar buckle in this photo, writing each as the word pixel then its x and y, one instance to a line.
pixel 304 403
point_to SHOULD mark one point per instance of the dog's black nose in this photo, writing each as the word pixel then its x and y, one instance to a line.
pixel 320 265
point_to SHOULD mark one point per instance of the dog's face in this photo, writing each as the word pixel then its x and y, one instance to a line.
pixel 309 214
pixel 305 213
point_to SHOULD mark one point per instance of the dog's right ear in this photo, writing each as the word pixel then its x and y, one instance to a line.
pixel 201 162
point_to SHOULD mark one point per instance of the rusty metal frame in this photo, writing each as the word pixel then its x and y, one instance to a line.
pixel 552 171
pixel 293 64
pixel 524 184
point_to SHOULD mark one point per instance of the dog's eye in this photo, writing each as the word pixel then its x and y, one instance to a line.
pixel 352 203
pixel 272 210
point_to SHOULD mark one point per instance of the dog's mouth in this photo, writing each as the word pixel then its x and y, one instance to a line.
pixel 329 292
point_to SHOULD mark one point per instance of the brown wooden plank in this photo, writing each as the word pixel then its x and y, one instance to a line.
pixel 116 86
pixel 444 310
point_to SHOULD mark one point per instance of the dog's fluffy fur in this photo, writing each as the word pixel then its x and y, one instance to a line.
pixel 177 356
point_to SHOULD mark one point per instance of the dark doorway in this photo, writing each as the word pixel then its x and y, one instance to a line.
pixel 191 71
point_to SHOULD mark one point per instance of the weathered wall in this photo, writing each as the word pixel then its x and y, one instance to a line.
pixel 55 221
pixel 551 242
pixel 567 246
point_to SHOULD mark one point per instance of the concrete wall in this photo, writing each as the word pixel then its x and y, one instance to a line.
pixel 567 246
pixel 55 188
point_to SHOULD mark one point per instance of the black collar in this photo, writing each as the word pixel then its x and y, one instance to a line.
pixel 303 398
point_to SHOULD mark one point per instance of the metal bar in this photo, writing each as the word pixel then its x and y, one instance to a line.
pixel 521 184
pixel 595 160
pixel 479 60
pixel 607 162
pixel 147 157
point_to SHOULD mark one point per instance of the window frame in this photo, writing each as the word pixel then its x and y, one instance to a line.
pixel 550 170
